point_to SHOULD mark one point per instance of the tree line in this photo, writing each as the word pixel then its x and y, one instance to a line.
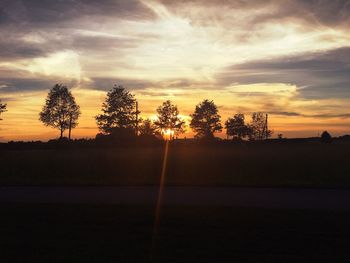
pixel 120 113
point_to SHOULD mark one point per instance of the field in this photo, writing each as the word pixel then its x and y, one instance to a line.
pixel 108 233
pixel 265 164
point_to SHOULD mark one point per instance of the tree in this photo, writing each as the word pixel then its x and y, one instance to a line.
pixel 258 128
pixel 326 137
pixel 168 119
pixel 147 128
pixel 205 120
pixel 118 111
pixel 236 127
pixel 2 108
pixel 60 110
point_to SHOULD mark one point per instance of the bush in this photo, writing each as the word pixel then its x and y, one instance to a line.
pixel 326 137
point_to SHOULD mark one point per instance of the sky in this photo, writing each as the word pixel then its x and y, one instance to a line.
pixel 289 58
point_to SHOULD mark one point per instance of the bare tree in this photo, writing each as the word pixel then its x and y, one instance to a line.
pixel 60 110
pixel 118 111
pixel 168 119
pixel 258 128
pixel 236 127
pixel 2 108
pixel 206 120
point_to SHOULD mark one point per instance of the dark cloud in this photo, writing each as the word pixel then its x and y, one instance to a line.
pixel 108 83
pixel 137 84
pixel 332 13
pixel 55 21
pixel 103 43
pixel 16 47
pixel 14 85
pixel 6 99
pixel 342 115
pixel 10 85
pixel 17 81
pixel 285 113
pixel 48 12
pixel 317 75
pixel 296 114
pixel 12 48
pixel 327 12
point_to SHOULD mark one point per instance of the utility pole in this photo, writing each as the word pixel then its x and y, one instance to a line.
pixel 137 119
pixel 266 127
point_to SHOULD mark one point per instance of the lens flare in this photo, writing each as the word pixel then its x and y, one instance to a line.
pixel 160 198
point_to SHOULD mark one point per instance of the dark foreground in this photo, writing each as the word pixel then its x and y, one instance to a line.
pixel 305 164
pixel 254 197
pixel 114 233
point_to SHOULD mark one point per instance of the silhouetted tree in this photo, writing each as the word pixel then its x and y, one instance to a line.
pixel 118 111
pixel 60 110
pixel 326 137
pixel 258 128
pixel 2 108
pixel 206 120
pixel 168 119
pixel 74 113
pixel 147 128
pixel 236 127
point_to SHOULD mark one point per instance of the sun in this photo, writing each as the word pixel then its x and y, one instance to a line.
pixel 168 134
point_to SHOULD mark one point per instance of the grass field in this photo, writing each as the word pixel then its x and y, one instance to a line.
pixel 107 233
pixel 269 164
pixel 112 233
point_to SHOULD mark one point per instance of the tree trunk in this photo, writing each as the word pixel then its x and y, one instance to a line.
pixel 61 134
pixel 70 127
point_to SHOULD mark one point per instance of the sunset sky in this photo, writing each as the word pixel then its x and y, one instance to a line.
pixel 290 58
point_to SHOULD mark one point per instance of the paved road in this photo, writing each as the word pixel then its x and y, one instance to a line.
pixel 291 198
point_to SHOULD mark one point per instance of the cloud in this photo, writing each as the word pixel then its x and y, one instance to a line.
pixel 100 83
pixel 24 46
pixel 20 85
pixel 19 81
pixel 106 83
pixel 36 28
pixel 46 13
pixel 11 49
pixel 256 12
pixel 327 12
pixel 286 113
pixel 96 43
pixel 317 75
pixel 319 116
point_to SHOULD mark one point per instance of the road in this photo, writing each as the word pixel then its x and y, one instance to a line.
pixel 289 198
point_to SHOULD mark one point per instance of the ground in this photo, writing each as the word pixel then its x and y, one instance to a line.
pixel 309 164
pixel 294 207
pixel 110 233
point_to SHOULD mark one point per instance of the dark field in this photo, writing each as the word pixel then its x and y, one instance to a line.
pixel 106 233
pixel 267 164
pixel 36 232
